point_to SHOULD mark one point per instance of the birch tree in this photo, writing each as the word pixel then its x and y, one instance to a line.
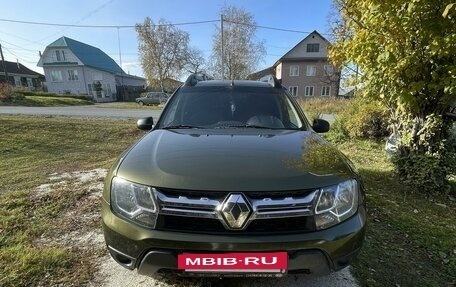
pixel 163 50
pixel 241 51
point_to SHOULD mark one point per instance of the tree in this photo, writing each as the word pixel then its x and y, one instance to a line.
pixel 241 52
pixel 163 50
pixel 406 51
pixel 195 61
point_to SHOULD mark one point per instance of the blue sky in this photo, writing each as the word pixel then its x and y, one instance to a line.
pixel 23 41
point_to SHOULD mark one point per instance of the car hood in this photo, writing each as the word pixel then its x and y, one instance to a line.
pixel 246 160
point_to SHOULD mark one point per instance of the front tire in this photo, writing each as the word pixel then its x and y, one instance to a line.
pixel 141 103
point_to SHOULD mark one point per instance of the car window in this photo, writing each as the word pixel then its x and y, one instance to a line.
pixel 216 107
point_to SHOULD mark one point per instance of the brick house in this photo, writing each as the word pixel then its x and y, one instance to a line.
pixel 305 70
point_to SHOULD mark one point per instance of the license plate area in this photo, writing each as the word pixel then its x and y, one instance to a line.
pixel 235 264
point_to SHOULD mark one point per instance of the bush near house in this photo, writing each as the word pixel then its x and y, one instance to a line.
pixel 355 118
pixel 45 94
pixel 18 97
pixel 361 119
pixel 6 92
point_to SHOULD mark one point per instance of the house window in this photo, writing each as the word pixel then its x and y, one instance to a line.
pixel 311 71
pixel 73 75
pixel 313 48
pixel 109 89
pixel 60 55
pixel 293 91
pixel 309 92
pixel 326 90
pixel 294 70
pixel 56 76
pixel 17 81
pixel 329 70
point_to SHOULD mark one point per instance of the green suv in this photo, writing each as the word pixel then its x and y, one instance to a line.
pixel 232 180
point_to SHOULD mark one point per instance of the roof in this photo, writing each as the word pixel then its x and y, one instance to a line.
pixel 88 55
pixel 18 68
pixel 286 58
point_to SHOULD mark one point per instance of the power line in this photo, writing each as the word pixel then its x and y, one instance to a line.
pixel 20 48
pixel 170 24
pixel 80 20
pixel 103 26
pixel 23 59
pixel 272 28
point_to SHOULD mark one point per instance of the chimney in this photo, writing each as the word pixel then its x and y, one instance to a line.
pixel 18 67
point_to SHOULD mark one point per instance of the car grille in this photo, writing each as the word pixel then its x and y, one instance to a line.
pixel 270 212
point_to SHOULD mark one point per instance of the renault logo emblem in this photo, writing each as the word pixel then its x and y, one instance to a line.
pixel 235 211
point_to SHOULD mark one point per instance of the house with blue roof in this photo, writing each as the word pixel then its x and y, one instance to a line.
pixel 74 67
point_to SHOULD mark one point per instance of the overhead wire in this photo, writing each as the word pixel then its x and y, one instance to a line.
pixel 102 26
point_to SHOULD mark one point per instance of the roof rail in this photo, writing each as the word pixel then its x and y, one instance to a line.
pixel 271 80
pixel 194 78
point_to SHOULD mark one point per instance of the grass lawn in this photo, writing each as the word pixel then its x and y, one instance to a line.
pixel 411 239
pixel 32 148
pixel 39 101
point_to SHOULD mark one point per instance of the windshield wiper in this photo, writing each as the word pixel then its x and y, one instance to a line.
pixel 181 127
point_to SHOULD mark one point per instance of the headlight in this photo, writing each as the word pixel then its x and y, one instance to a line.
pixel 336 203
pixel 134 201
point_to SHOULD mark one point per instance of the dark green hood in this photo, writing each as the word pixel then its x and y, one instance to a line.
pixel 247 160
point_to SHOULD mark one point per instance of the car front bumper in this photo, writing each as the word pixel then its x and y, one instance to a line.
pixel 152 251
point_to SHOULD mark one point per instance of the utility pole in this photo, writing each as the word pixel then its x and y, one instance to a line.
pixel 4 66
pixel 221 31
pixel 121 70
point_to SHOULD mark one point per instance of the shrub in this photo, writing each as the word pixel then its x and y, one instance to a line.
pixel 51 95
pixel 361 120
pixel 425 172
pixel 6 92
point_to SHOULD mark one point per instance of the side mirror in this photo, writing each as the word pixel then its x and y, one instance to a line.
pixel 145 124
pixel 320 126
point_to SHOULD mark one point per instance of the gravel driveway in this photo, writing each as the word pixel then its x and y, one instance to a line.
pixel 116 276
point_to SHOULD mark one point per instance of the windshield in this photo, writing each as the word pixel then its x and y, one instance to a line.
pixel 230 107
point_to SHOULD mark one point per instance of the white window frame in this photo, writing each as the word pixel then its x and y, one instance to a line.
pixel 73 75
pixel 309 91
pixel 295 89
pixel 294 71
pixel 329 67
pixel 109 89
pixel 313 45
pixel 325 89
pixel 56 76
pixel 60 55
pixel 311 71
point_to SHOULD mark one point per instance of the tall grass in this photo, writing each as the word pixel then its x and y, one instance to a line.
pixel 314 107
